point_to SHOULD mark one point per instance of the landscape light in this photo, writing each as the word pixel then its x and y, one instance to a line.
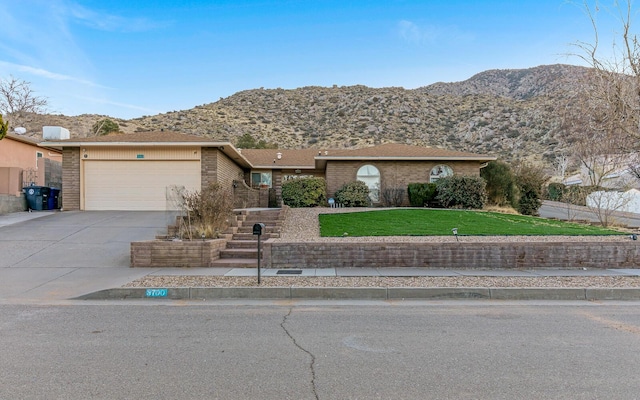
pixel 455 233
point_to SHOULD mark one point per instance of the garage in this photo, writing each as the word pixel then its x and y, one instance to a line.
pixel 136 184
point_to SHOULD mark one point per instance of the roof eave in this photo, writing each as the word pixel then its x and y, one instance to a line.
pixel 406 158
pixel 276 166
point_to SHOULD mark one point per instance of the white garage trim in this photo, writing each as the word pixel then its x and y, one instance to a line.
pixel 135 185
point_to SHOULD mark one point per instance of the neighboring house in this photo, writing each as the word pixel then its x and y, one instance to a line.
pixel 22 163
pixel 133 171
pixel 617 172
pixel 628 201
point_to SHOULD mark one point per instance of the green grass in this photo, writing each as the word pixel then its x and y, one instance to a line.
pixel 421 222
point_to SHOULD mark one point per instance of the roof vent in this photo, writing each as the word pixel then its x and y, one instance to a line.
pixel 279 155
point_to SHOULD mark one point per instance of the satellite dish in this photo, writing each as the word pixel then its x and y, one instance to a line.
pixel 20 130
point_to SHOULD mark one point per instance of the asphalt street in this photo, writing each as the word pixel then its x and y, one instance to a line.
pixel 404 350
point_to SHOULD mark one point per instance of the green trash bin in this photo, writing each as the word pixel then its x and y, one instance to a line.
pixel 37 197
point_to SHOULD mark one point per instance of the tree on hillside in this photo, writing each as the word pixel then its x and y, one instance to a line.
pixel 4 128
pixel 247 141
pixel 18 99
pixel 104 126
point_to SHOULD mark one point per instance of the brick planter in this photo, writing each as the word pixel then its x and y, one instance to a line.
pixel 168 253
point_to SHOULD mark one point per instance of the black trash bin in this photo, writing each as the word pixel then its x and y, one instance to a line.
pixel 37 197
pixel 53 200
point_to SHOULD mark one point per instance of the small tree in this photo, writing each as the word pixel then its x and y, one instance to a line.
pixel 530 182
pixel 104 126
pixel 354 194
pixel 462 192
pixel 501 184
pixel 4 128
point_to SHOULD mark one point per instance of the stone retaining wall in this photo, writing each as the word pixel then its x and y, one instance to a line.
pixel 459 255
pixel 168 253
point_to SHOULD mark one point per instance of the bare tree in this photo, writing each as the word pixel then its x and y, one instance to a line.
pixel 602 122
pixel 18 99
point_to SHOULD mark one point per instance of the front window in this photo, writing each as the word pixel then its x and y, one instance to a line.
pixel 260 179
pixel 371 177
pixel 440 171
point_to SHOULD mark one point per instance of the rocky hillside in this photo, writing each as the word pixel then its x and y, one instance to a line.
pixel 513 114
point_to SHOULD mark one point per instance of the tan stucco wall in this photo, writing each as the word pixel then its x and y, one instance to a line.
pixel 393 174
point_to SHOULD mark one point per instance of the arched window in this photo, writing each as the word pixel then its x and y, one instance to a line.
pixel 440 171
pixel 371 176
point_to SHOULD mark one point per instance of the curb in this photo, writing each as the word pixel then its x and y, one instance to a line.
pixel 364 293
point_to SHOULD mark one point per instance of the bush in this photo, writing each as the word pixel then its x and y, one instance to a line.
pixel 354 194
pixel 392 197
pixel 205 212
pixel 462 192
pixel 421 194
pixel 555 191
pixel 530 181
pixel 304 192
pixel 501 184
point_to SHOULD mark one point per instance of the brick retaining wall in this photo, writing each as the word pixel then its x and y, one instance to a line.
pixel 167 253
pixel 458 255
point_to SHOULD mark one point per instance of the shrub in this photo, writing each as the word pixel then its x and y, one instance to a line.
pixel 353 194
pixel 392 197
pixel 555 191
pixel 421 194
pixel 304 192
pixel 530 181
pixel 207 212
pixel 462 192
pixel 501 184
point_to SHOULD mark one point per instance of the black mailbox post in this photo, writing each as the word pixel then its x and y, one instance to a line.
pixel 258 229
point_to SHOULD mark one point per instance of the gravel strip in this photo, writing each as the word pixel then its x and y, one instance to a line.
pixel 165 281
pixel 301 224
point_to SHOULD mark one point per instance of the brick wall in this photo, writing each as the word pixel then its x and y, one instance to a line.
pixel 393 174
pixel 71 178
pixel 208 166
pixel 453 255
pixel 159 253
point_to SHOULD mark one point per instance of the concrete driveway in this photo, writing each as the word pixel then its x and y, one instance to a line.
pixel 59 255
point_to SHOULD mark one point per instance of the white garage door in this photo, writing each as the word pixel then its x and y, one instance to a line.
pixel 136 185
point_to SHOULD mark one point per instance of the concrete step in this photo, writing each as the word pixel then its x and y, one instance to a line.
pixel 251 236
pixel 235 263
pixel 239 253
pixel 242 244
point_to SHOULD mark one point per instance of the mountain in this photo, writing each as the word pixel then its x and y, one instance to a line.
pixel 513 114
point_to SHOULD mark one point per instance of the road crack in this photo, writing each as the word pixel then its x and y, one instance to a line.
pixel 313 357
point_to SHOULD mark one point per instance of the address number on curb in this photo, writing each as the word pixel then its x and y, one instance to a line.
pixel 157 292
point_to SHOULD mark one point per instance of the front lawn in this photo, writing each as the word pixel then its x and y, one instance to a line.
pixel 428 222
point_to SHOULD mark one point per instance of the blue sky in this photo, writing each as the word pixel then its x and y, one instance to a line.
pixel 143 57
